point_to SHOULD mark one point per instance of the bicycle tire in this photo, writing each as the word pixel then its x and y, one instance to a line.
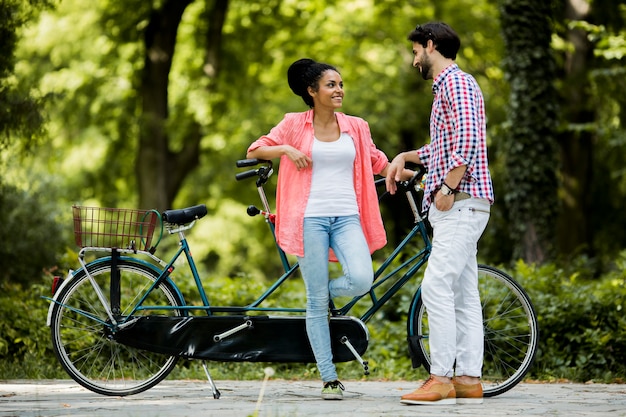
pixel 86 347
pixel 510 326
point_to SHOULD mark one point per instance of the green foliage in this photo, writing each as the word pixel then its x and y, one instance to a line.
pixel 608 128
pixel 89 77
pixel 86 59
pixel 21 116
pixel 25 347
pixel 90 56
pixel 581 320
pixel 32 236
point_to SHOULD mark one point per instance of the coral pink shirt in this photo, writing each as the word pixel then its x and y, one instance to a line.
pixel 296 129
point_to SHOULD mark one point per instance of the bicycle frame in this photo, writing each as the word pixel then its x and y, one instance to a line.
pixel 411 265
pixel 407 268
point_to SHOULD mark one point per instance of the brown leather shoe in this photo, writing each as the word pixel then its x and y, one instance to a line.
pixel 468 393
pixel 432 392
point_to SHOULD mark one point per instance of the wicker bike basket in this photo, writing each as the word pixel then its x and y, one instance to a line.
pixel 115 228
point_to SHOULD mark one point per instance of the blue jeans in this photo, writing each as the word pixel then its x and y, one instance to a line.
pixel 345 236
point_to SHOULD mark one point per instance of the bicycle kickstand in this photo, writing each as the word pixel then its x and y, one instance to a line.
pixel 216 392
pixel 364 364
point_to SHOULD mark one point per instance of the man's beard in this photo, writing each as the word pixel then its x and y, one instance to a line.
pixel 426 68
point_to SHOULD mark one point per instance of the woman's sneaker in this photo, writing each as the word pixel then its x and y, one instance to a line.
pixel 333 390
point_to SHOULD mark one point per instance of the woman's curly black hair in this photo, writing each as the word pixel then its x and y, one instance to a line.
pixel 305 73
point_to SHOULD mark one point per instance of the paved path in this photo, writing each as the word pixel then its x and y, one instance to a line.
pixel 297 399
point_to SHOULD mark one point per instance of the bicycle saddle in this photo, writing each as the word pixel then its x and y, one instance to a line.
pixel 186 215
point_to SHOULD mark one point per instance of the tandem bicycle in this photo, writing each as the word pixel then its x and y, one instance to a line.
pixel 120 322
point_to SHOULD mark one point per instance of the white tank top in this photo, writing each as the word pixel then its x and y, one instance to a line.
pixel 332 187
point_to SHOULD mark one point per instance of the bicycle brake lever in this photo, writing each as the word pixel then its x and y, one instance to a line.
pixel 264 174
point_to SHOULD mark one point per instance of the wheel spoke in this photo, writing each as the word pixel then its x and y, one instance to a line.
pixel 510 331
pixel 87 348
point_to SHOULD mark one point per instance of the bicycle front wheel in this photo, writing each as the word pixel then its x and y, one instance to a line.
pixel 510 326
pixel 83 336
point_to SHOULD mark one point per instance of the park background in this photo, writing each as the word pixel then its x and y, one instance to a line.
pixel 148 104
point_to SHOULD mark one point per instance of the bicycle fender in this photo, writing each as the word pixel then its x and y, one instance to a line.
pixel 105 259
pixel 412 308
pixel 53 300
pixel 412 340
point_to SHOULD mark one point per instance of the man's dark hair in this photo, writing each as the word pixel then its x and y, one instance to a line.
pixel 446 40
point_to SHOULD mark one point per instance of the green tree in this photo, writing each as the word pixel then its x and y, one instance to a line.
pixel 21 115
pixel 592 123
pixel 28 220
pixel 531 152
pixel 606 83
pixel 226 83
pixel 576 139
pixel 160 170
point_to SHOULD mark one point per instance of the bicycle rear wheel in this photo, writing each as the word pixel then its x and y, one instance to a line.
pixel 510 325
pixel 83 336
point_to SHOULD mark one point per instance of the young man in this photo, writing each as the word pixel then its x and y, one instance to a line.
pixel 458 195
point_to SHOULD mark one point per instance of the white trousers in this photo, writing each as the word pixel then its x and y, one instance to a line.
pixel 450 289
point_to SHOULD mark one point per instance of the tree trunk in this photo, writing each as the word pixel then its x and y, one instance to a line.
pixel 576 143
pixel 160 171
pixel 530 142
pixel 156 169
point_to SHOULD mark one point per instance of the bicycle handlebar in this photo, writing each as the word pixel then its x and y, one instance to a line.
pixel 247 174
pixel 263 172
pixel 267 170
pixel 250 162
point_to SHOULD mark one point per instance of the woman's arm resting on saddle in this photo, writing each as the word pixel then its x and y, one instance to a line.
pixel 299 159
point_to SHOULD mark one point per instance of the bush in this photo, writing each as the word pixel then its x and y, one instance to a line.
pixel 581 321
pixel 25 346
pixel 31 234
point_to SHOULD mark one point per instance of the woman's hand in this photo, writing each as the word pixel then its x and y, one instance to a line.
pixel 299 159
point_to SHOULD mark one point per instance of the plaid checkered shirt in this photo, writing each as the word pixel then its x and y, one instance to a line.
pixel 457 136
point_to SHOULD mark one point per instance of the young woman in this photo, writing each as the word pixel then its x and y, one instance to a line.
pixel 326 201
